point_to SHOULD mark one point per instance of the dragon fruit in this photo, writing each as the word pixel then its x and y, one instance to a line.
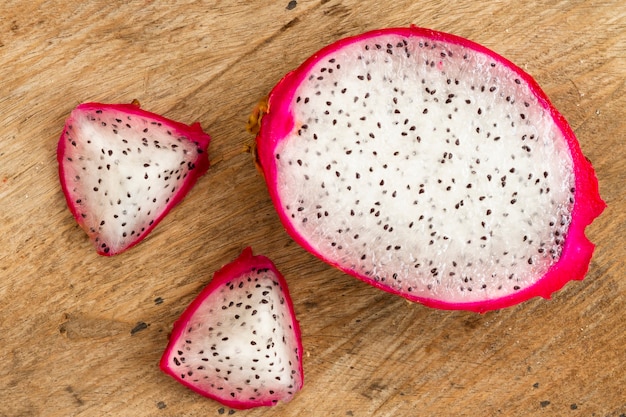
pixel 431 167
pixel 122 169
pixel 239 341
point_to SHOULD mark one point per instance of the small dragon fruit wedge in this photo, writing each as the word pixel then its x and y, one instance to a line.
pixel 430 167
pixel 239 341
pixel 122 169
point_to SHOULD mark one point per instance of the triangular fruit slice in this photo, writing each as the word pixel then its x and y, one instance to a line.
pixel 122 169
pixel 239 341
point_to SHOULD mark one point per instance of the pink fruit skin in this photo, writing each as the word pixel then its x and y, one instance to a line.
pixel 245 262
pixel 194 132
pixel 577 250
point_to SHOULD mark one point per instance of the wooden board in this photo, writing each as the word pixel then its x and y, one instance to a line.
pixel 81 335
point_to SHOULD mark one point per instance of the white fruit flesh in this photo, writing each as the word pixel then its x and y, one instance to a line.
pixel 236 345
pixel 122 171
pixel 426 167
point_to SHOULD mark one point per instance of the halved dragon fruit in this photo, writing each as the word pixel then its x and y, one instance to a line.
pixel 430 167
pixel 122 169
pixel 239 341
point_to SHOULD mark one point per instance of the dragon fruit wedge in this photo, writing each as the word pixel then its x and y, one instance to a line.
pixel 239 341
pixel 122 169
pixel 430 167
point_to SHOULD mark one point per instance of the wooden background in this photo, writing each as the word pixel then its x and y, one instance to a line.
pixel 81 335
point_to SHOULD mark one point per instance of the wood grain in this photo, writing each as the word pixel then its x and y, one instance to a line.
pixel 81 335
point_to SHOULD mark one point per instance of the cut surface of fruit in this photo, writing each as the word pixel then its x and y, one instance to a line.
pixel 431 167
pixel 239 342
pixel 122 169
